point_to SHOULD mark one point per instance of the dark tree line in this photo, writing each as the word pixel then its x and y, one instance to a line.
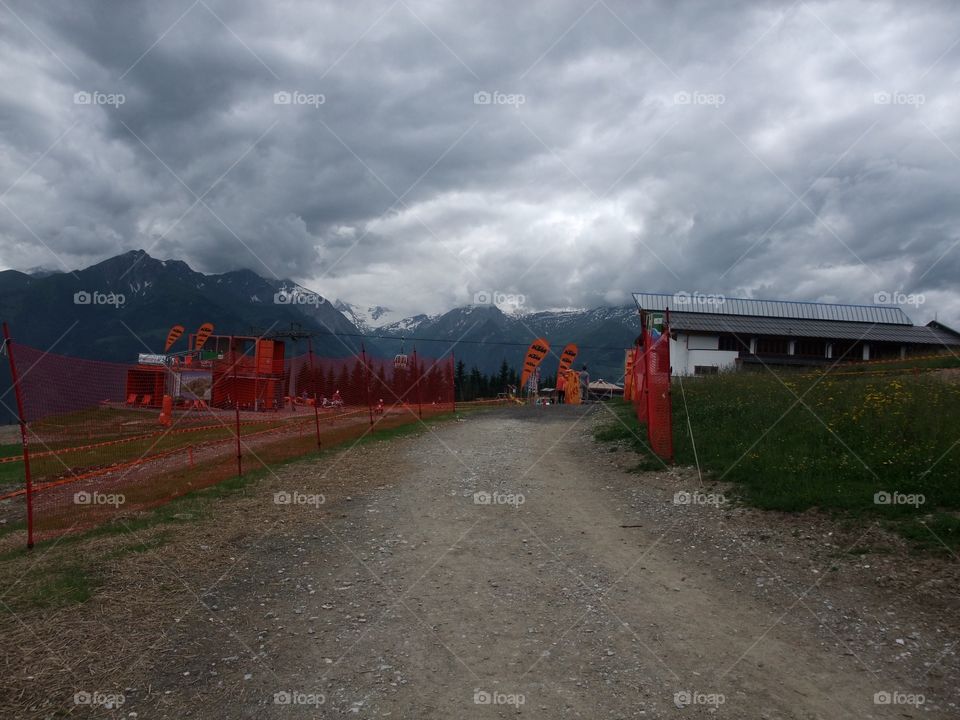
pixel 474 385
pixel 414 383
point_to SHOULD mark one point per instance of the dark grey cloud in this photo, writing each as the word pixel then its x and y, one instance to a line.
pixel 802 150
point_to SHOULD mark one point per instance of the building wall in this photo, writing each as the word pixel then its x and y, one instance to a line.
pixel 688 351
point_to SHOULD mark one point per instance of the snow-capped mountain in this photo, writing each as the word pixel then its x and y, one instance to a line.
pixel 366 318
pixel 379 319
pixel 406 326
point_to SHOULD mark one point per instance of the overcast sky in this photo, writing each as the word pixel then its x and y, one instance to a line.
pixel 799 150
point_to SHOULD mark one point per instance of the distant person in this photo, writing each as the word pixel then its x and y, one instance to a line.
pixel 561 388
pixel 584 385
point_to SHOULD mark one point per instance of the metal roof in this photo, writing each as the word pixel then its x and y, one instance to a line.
pixel 716 304
pixel 828 329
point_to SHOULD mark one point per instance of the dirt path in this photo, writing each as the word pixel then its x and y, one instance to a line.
pixel 594 597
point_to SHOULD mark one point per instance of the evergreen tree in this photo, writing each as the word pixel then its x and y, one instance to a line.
pixel 302 380
pixel 503 379
pixel 459 380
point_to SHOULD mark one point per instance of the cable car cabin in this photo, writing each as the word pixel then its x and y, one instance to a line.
pixel 247 371
pixel 401 362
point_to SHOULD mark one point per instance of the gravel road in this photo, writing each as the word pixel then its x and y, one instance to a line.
pixel 508 565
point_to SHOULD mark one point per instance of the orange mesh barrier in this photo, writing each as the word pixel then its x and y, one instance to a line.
pixel 106 438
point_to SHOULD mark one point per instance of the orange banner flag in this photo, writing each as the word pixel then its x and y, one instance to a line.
pixel 175 332
pixel 204 332
pixel 567 357
pixel 535 354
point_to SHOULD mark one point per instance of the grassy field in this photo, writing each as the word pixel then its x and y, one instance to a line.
pixel 940 362
pixel 793 442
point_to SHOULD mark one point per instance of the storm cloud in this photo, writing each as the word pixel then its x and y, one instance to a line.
pixel 412 154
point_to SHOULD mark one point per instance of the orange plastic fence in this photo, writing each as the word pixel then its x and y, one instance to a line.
pixel 97 446
pixel 652 400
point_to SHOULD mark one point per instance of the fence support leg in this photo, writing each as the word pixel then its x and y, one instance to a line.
pixel 313 387
pixel 18 392
pixel 366 380
pixel 417 374
pixel 236 406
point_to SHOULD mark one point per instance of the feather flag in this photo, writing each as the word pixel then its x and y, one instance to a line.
pixel 203 333
pixel 535 354
pixel 175 332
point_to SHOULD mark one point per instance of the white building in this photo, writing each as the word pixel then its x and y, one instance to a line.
pixel 709 333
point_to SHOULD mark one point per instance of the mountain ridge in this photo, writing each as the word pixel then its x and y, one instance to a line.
pixel 43 311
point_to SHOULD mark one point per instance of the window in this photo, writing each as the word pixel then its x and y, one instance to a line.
pixel 734 343
pixel 772 346
pixel 705 369
pixel 884 351
pixel 810 347
pixel 846 351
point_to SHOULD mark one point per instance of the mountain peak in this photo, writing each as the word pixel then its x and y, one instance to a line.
pixel 369 318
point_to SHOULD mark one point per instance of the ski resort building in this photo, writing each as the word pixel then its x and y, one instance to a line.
pixel 709 333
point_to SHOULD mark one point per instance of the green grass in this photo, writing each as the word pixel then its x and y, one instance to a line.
pixel 844 440
pixel 66 580
pixel 622 428
pixel 62 585
pixel 934 363
pixel 937 533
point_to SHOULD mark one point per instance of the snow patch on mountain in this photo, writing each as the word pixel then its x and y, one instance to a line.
pixel 378 318
pixel 406 326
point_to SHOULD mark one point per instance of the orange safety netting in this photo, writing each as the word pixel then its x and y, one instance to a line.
pixel 105 437
pixel 650 388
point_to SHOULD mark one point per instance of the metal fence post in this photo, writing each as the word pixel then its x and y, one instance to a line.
pixel 366 379
pixel 236 405
pixel 18 393
pixel 313 387
pixel 417 375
